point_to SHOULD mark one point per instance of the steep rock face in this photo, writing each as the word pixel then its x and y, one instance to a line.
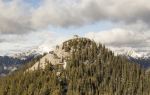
pixel 61 53
pixel 54 57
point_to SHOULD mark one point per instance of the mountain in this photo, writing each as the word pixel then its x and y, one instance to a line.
pixel 35 51
pixel 141 58
pixel 10 63
pixel 78 66
pixel 134 54
pixel 144 62
pixel 57 56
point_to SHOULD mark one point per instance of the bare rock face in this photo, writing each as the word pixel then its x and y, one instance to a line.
pixel 61 53
pixel 56 57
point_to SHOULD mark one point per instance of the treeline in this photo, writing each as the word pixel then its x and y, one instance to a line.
pixel 91 69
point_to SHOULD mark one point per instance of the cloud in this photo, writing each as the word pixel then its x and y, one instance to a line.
pixel 14 17
pixel 68 13
pixel 118 39
pixel 121 37
pixel 18 16
pixel 16 43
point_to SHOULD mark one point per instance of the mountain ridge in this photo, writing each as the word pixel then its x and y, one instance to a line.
pixel 92 69
pixel 26 56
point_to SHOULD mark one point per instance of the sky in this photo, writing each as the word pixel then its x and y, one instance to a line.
pixel 119 24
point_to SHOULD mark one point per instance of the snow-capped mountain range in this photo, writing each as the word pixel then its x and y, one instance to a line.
pixel 19 58
pixel 142 58
pixel 31 52
pixel 13 61
pixel 129 52
pixel 133 55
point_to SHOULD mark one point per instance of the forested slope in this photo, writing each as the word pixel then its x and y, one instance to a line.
pixel 91 69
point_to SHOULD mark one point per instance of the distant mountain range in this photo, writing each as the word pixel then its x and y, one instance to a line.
pixel 144 62
pixel 141 58
pixel 11 63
